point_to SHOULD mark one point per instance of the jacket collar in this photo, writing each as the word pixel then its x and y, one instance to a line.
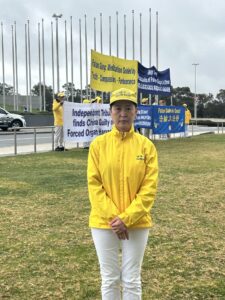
pixel 121 134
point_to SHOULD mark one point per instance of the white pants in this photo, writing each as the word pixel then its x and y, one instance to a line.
pixel 58 136
pixel 186 130
pixel 128 275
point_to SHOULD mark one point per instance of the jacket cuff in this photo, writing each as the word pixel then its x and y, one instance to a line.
pixel 126 219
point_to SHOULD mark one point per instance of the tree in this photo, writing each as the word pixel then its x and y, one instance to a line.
pixel 69 89
pixel 48 95
pixel 221 96
pixel 8 89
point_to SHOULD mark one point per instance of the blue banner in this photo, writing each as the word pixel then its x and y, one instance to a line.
pixel 144 117
pixel 168 119
pixel 152 81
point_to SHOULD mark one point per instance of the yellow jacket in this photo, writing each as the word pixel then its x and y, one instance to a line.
pixel 57 109
pixel 122 179
pixel 187 116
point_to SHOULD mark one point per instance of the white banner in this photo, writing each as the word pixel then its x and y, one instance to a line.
pixel 83 122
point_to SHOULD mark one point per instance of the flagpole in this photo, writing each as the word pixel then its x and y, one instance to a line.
pixel 71 45
pixel 57 49
pixel 13 65
pixel 94 33
pixel 125 37
pixel 110 37
pixel 86 55
pixel 3 66
pixel 43 62
pixel 39 64
pixel 101 41
pixel 53 71
pixel 157 52
pixel 133 33
pixel 66 54
pixel 140 47
pixel 141 38
pixel 101 32
pixel 150 38
pixel 157 41
pixel 16 69
pixel 81 91
pixel 29 64
pixel 150 48
pixel 27 101
pixel 117 35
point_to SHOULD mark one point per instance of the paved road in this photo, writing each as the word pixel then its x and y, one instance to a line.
pixel 7 140
pixel 25 140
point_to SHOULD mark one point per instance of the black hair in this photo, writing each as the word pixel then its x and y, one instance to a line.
pixel 111 104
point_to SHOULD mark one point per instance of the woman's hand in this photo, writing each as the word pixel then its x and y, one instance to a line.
pixel 119 228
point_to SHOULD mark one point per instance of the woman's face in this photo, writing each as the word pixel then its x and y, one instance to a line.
pixel 123 113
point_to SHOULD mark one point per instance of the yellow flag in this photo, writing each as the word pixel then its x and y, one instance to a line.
pixel 109 73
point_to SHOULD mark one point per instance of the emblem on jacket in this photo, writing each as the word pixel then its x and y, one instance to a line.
pixel 140 157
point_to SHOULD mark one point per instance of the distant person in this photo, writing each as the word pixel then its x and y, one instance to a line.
pixel 162 102
pixel 187 120
pixel 122 181
pixel 145 101
pixel 86 101
pixel 57 108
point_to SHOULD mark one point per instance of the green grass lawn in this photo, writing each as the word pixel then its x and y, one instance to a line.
pixel 46 251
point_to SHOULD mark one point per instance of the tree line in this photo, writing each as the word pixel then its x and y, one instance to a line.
pixel 208 106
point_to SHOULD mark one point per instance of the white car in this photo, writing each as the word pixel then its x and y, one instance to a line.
pixel 9 120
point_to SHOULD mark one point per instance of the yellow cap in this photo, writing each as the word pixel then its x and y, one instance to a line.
pixel 144 100
pixel 61 95
pixel 86 101
pixel 123 94
pixel 185 105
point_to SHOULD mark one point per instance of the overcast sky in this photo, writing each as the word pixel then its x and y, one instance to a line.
pixel 190 31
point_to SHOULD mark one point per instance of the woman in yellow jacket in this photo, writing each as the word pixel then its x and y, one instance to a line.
pixel 57 108
pixel 187 119
pixel 122 181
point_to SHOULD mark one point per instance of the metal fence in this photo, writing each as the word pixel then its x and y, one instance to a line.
pixel 34 146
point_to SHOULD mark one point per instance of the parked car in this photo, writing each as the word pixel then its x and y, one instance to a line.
pixel 9 120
